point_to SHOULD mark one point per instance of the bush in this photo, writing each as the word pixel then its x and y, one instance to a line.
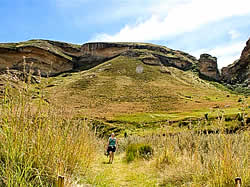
pixel 137 151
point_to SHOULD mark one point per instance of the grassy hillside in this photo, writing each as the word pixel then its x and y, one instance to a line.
pixel 115 93
pixel 197 130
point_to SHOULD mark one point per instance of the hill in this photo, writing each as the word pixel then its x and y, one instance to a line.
pixel 122 83
pixel 172 113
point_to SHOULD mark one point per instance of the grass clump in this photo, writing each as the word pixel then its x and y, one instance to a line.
pixel 137 151
pixel 212 160
pixel 37 142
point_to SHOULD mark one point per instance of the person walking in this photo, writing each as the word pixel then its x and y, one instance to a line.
pixel 111 147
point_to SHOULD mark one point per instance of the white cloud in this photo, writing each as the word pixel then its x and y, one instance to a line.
pixel 234 34
pixel 110 11
pixel 181 17
pixel 226 54
pixel 142 8
pixel 224 61
pixel 163 20
pixel 228 49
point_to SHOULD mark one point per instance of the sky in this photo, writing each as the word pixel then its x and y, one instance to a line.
pixel 218 27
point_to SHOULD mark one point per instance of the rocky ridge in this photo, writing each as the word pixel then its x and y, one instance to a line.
pixel 50 58
pixel 96 53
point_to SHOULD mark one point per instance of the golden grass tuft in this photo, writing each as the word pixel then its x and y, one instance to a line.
pixel 213 160
pixel 37 143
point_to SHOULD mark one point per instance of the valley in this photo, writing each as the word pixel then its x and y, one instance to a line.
pixel 148 95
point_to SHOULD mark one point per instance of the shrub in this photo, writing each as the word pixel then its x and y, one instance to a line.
pixel 137 151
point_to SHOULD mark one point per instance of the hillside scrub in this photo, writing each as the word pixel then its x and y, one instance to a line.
pixel 37 143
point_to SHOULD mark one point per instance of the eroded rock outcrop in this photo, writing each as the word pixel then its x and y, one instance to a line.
pixel 239 71
pixel 94 53
pixel 52 57
pixel 40 56
pixel 208 67
pixel 49 58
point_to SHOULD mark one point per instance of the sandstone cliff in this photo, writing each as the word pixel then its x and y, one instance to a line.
pixel 95 53
pixel 208 67
pixel 48 57
pixel 52 58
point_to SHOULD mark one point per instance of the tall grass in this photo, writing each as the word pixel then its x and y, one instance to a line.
pixel 192 159
pixel 213 160
pixel 37 142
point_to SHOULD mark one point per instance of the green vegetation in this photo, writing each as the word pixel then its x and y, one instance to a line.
pixel 241 90
pixel 136 151
pixel 114 89
pixel 235 89
pixel 177 116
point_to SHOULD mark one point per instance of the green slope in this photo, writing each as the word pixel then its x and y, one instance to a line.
pixel 115 93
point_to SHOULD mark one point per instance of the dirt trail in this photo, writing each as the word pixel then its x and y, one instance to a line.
pixel 120 173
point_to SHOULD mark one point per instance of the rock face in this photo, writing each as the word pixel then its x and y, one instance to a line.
pixel 239 71
pixel 208 67
pixel 51 57
pixel 148 53
pixel 47 57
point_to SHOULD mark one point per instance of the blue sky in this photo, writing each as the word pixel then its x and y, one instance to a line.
pixel 218 27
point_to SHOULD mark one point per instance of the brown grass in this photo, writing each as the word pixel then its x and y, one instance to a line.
pixel 37 142
pixel 116 86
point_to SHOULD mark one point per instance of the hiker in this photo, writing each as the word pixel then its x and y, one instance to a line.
pixel 111 147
